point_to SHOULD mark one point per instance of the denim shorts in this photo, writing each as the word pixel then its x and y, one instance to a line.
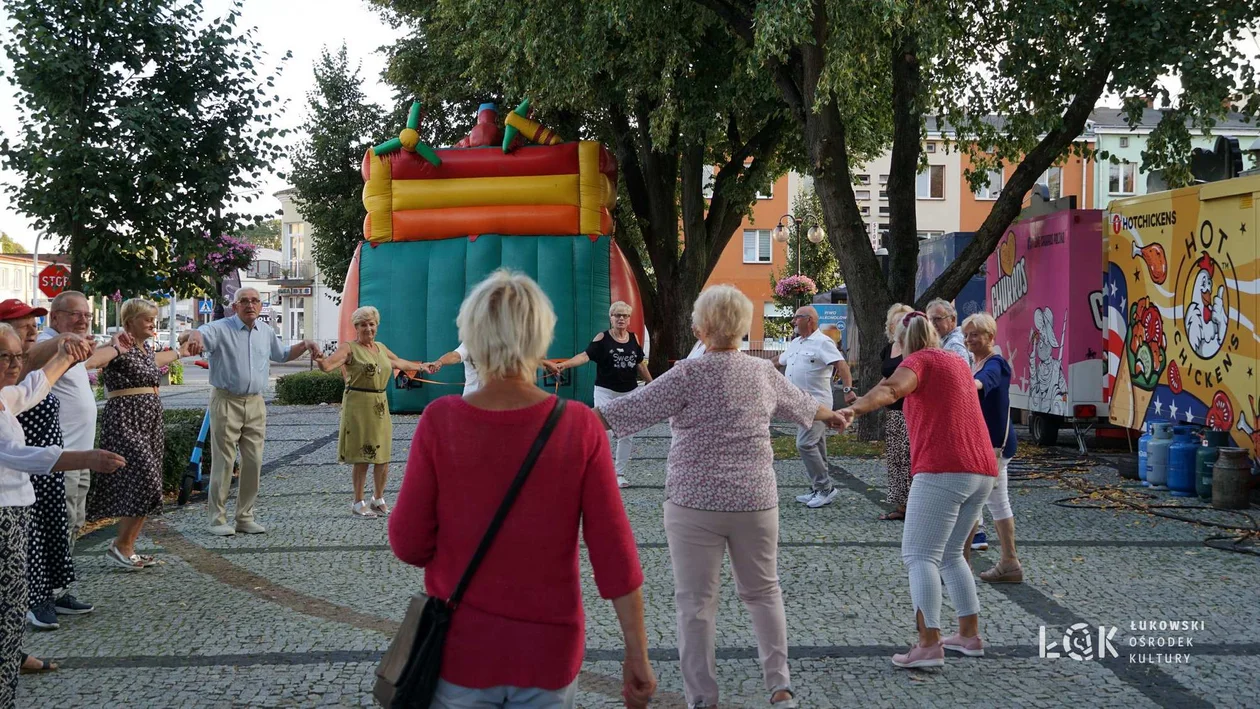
pixel 453 696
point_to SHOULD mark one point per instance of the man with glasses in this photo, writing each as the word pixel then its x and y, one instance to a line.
pixel 241 351
pixel 71 315
pixel 813 362
pixel 944 320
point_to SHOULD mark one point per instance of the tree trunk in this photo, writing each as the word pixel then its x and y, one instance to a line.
pixel 76 256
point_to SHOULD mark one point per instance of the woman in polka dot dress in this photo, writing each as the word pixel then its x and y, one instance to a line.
pixel 132 427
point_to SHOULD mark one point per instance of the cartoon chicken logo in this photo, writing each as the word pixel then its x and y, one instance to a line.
pixel 1206 317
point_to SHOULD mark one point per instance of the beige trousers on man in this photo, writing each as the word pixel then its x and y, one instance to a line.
pixel 77 484
pixel 235 421
pixel 698 539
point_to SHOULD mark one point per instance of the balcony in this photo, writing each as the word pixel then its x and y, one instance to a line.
pixel 294 273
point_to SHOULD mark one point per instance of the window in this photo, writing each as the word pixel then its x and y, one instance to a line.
pixel 883 194
pixel 883 179
pixel 883 210
pixel 768 194
pixel 757 246
pixel 883 233
pixel 929 234
pixel 995 186
pixel 1124 142
pixel 864 179
pixel 1053 181
pixel 1123 178
pixel 863 195
pixel 931 183
pixel 929 148
pixel 866 210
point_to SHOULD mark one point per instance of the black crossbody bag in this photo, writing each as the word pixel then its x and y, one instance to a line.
pixel 408 674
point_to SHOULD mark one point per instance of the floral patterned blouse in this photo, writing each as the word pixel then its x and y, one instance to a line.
pixel 719 408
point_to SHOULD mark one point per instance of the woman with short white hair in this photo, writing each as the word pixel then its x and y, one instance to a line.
pixel 518 636
pixel 720 489
pixel 619 364
pixel 367 434
pixel 953 468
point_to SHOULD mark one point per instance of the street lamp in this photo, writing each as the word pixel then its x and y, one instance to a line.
pixel 781 232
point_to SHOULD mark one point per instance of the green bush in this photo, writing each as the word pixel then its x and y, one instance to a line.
pixel 177 372
pixel 314 387
pixel 182 427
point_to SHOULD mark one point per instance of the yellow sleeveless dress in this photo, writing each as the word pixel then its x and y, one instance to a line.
pixel 366 431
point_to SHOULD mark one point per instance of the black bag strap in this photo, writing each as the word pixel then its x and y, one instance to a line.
pixel 530 458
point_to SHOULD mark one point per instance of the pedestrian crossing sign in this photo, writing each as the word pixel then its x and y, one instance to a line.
pixel 206 308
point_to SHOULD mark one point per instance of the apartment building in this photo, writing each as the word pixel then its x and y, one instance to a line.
pixel 17 276
pixel 304 306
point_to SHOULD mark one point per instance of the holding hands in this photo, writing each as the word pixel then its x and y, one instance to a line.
pixel 553 367
pixel 76 348
pixel 432 367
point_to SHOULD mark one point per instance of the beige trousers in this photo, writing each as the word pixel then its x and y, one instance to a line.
pixel 235 421
pixel 77 484
pixel 698 539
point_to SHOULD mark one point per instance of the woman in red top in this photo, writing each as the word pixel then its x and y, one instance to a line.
pixel 953 469
pixel 518 637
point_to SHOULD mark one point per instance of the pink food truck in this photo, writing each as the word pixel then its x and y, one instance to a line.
pixel 1045 290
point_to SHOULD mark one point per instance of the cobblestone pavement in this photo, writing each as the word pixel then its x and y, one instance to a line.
pixel 298 617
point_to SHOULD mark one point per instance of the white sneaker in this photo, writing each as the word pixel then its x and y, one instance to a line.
pixel 622 482
pixel 821 499
pixel 222 530
pixel 805 498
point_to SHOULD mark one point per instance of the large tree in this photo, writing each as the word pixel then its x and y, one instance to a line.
pixel 1041 65
pixel 341 125
pixel 663 83
pixel 142 123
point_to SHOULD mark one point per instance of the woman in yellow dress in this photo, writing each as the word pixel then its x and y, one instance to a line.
pixel 366 432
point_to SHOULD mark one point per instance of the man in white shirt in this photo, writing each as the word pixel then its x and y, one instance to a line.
pixel 813 361
pixel 944 319
pixel 472 382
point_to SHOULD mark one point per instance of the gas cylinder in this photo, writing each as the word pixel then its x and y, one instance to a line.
pixel 1143 442
pixel 1181 461
pixel 1204 459
pixel 1157 455
pixel 1231 478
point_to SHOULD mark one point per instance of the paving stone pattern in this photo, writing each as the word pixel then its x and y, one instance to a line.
pixel 298 617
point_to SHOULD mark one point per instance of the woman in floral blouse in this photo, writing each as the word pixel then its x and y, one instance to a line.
pixel 720 490
pixel 366 435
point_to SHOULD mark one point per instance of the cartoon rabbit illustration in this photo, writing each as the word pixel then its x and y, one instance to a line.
pixel 1048 389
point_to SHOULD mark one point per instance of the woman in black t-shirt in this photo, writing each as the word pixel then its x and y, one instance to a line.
pixel 619 364
pixel 896 438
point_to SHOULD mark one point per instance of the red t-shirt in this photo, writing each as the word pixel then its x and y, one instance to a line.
pixel 947 431
pixel 521 622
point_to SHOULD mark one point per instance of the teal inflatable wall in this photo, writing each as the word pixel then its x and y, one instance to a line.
pixel 419 285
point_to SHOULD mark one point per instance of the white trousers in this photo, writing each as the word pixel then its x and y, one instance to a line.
pixel 622 447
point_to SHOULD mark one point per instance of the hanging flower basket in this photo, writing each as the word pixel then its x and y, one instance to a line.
pixel 795 287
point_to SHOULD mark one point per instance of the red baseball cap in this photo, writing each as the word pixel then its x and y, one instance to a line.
pixel 13 309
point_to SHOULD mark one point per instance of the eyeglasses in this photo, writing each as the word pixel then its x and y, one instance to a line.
pixel 12 360
pixel 249 301
pixel 938 318
pixel 619 316
pixel 76 314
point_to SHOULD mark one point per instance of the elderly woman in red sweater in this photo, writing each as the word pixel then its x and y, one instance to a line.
pixel 953 468
pixel 518 637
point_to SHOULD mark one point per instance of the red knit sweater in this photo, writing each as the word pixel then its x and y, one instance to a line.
pixel 947 429
pixel 521 621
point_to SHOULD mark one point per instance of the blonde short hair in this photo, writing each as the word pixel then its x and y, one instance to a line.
pixel 6 330
pixel 895 314
pixel 506 324
pixel 981 322
pixel 136 307
pixel 723 313
pixel 365 314
pixel 620 308
pixel 915 333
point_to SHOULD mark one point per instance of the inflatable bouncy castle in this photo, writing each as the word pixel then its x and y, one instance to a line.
pixel 441 220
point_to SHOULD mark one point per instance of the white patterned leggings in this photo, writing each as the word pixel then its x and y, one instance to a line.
pixel 623 448
pixel 939 515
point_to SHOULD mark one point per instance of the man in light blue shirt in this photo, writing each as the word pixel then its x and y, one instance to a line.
pixel 241 351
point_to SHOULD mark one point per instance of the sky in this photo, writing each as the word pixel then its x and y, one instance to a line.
pixel 302 27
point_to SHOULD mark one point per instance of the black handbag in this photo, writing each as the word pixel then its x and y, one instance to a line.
pixel 408 674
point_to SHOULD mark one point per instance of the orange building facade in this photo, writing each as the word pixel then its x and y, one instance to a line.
pixel 1075 176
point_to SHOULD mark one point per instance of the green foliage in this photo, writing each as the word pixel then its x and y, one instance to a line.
pixel 313 387
pixel 181 428
pixel 176 370
pixel 816 260
pixel 340 126
pixel 9 246
pixel 140 123
pixel 265 234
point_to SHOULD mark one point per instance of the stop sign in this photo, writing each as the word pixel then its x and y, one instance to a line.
pixel 54 279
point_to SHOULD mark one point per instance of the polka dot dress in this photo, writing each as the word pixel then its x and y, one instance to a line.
pixel 49 565
pixel 131 426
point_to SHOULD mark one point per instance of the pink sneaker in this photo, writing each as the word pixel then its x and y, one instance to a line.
pixel 920 656
pixel 971 647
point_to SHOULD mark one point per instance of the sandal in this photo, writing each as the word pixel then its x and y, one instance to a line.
pixel 379 506
pixel 789 703
pixel 360 509
pixel 44 666
pixel 895 515
pixel 130 563
pixel 1003 574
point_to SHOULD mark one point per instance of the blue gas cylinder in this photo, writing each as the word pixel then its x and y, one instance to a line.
pixel 1157 455
pixel 1181 461
pixel 1143 442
